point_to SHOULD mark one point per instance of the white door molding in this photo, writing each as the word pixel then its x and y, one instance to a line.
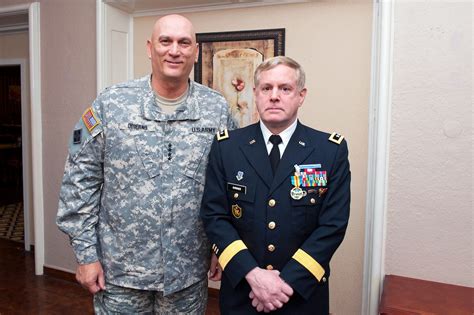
pixel 378 158
pixel 114 45
pixel 26 155
pixel 36 132
pixel 100 43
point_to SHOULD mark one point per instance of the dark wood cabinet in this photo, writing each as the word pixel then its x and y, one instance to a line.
pixel 408 296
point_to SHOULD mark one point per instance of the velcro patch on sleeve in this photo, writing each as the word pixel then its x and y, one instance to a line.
pixel 90 120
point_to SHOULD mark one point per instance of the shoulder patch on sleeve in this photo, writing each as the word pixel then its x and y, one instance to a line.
pixel 90 119
pixel 336 138
pixel 222 135
pixel 77 136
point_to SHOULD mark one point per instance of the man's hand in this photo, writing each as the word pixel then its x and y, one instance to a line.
pixel 215 271
pixel 91 277
pixel 269 291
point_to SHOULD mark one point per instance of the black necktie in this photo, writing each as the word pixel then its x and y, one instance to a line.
pixel 275 152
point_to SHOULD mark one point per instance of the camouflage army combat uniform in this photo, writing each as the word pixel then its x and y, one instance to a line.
pixel 133 184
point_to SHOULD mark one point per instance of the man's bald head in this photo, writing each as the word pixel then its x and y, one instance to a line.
pixel 174 21
pixel 173 51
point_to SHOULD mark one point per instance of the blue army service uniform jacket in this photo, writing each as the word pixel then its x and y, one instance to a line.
pixel 253 221
pixel 133 184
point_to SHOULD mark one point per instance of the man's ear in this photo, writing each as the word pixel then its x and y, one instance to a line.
pixel 303 93
pixel 148 48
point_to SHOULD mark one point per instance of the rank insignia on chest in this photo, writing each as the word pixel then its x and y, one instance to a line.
pixel 89 119
pixel 236 211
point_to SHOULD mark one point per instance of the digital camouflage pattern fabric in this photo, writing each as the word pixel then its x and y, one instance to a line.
pixel 133 184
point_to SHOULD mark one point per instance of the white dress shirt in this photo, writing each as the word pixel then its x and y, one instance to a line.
pixel 285 136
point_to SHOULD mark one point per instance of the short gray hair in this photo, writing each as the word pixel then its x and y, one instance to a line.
pixel 285 61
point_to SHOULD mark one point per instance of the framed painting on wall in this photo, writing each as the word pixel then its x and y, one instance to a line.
pixel 227 61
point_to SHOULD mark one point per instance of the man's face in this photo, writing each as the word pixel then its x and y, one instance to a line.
pixel 278 98
pixel 172 49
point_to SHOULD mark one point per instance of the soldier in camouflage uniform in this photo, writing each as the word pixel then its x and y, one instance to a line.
pixel 133 183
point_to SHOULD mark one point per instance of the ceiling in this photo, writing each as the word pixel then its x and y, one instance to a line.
pixel 17 22
pixel 142 6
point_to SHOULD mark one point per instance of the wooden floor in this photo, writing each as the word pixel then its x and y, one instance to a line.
pixel 21 292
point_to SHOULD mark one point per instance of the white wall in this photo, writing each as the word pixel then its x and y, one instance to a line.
pixel 430 222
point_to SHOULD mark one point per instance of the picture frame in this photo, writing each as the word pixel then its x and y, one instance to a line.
pixel 227 61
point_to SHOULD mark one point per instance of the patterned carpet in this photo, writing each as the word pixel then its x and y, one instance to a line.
pixel 11 222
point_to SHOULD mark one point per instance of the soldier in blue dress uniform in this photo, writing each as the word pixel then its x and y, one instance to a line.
pixel 276 202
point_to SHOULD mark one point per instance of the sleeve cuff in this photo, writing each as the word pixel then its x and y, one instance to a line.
pixel 230 251
pixel 304 274
pixel 309 263
pixel 86 255
pixel 236 261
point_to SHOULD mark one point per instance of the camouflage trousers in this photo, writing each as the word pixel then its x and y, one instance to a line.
pixel 119 300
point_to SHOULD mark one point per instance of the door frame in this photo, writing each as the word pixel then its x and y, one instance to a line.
pixel 33 10
pixel 378 154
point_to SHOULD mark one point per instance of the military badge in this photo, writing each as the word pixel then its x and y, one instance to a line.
pixel 307 176
pixel 240 175
pixel 322 191
pixel 222 135
pixel 310 166
pixel 336 138
pixel 89 119
pixel 297 170
pixel 297 193
pixel 320 178
pixel 236 211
